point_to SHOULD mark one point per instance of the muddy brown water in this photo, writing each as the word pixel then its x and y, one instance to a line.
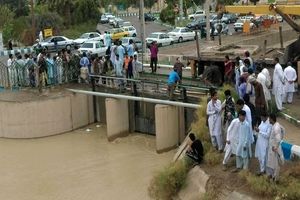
pixel 79 165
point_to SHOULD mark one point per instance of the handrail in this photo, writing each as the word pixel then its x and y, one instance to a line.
pixel 134 98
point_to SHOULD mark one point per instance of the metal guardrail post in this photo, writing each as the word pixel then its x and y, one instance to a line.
pixel 94 99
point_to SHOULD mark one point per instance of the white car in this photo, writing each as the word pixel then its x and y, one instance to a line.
pixel 197 14
pixel 118 22
pixel 238 25
pixel 131 30
pixel 111 20
pixel 181 34
pixel 161 38
pixel 94 36
pixel 246 18
pixel 93 47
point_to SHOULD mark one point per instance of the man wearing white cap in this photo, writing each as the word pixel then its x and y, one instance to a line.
pixel 290 76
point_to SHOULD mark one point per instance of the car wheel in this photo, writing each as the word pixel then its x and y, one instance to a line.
pixel 134 35
pixel 236 30
pixel 192 18
pixel 68 47
pixel 171 43
pixel 180 39
pixel 160 44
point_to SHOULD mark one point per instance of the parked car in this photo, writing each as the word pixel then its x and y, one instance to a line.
pixel 126 23
pixel 88 36
pixel 161 38
pixel 181 34
pixel 224 28
pixel 239 24
pixel 111 20
pixel 137 42
pixel 131 30
pixel 197 14
pixel 246 18
pixel 149 17
pixel 104 19
pixel 55 43
pixel 117 33
pixel 231 18
pixel 118 22
pixel 197 24
pixel 93 47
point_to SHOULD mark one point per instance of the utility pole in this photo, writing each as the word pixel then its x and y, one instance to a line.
pixel 207 15
pixel 181 10
pixel 32 20
pixel 142 19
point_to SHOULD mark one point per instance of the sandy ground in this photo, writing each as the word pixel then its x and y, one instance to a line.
pixel 79 165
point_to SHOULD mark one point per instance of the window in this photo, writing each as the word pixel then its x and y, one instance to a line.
pixel 59 39
pixel 97 45
pixel 87 45
pixel 161 36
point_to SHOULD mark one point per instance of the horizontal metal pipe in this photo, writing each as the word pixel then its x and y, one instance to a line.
pixel 133 98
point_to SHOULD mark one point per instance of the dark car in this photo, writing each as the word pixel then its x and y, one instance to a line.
pixel 197 24
pixel 149 17
pixel 232 18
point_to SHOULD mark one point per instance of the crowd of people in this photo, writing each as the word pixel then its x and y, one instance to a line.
pixel 244 127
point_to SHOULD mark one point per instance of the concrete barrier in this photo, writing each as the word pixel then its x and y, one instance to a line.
pixel 34 119
pixel 14 51
pixel 117 118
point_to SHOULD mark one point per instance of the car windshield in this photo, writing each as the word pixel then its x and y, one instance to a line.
pixel 47 39
pixel 153 35
pixel 84 36
pixel 176 30
pixel 239 21
pixel 87 45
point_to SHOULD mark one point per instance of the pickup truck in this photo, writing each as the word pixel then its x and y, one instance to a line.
pixel 197 14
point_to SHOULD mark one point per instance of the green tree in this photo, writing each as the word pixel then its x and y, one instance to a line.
pixel 6 15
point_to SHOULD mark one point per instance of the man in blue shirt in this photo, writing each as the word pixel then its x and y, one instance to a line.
pixel 172 81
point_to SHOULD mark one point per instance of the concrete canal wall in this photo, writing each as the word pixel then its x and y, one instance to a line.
pixel 33 119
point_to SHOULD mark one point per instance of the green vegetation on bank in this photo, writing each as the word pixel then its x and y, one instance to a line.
pixel 75 31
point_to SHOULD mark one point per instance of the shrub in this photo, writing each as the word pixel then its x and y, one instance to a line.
pixel 169 181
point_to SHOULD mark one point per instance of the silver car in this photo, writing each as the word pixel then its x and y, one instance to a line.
pixel 137 42
pixel 56 43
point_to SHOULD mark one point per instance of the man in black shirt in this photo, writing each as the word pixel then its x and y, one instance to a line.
pixel 195 151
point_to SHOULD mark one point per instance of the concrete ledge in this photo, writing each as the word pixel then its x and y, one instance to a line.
pixel 290 119
pixel 34 119
pixel 196 185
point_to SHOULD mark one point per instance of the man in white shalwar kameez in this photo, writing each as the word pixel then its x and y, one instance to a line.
pixel 264 131
pixel 243 150
pixel 265 82
pixel 278 84
pixel 290 76
pixel 214 109
pixel 240 105
pixel 275 155
pixel 231 140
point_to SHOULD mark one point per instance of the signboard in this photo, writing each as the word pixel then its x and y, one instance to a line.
pixel 1 42
pixel 48 32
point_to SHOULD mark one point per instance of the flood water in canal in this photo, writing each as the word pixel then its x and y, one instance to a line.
pixel 79 165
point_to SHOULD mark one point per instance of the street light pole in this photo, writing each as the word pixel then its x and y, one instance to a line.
pixel 142 19
pixel 32 20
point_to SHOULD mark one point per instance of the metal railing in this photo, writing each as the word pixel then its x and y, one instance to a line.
pixel 26 73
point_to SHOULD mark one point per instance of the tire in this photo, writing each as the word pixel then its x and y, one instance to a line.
pixel 171 43
pixel 68 47
pixel 180 39
pixel 134 35
pixel 192 18
pixel 159 45
pixel 236 30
